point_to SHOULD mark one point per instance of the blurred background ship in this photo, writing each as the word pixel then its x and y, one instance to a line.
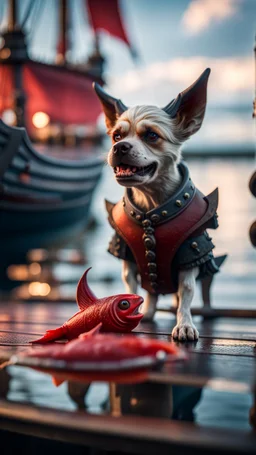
pixel 46 194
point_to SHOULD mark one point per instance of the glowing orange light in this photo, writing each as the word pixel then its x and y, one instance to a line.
pixel 9 117
pixel 17 272
pixel 36 288
pixel 5 53
pixel 35 268
pixel 40 119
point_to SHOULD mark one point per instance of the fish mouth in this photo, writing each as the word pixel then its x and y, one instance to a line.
pixel 134 314
pixel 130 172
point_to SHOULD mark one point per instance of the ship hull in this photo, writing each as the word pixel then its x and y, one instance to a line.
pixel 42 199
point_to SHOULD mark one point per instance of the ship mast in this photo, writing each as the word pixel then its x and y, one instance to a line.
pixel 17 68
pixel 63 44
pixel 14 53
pixel 12 15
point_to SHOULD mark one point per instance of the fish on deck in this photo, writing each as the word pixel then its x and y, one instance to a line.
pixel 95 356
pixel 118 313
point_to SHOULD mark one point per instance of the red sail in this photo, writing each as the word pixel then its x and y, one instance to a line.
pixel 6 88
pixel 65 95
pixel 105 15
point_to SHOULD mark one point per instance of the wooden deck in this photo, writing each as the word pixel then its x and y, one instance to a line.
pixel 155 416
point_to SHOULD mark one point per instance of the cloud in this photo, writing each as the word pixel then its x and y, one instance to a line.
pixel 231 80
pixel 202 13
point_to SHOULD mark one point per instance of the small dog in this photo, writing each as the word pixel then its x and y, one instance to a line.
pixel 146 158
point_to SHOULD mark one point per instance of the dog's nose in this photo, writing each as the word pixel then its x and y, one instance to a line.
pixel 121 148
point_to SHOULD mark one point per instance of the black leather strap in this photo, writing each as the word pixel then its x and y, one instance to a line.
pixel 174 205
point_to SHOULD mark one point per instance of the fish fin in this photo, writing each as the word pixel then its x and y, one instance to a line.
pixel 84 296
pixel 51 335
pixel 57 381
pixel 92 332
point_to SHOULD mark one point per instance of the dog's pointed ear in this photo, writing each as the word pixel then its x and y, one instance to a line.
pixel 188 108
pixel 112 107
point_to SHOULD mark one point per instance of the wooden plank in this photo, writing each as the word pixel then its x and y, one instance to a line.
pixel 202 346
pixel 15 339
pixel 129 434
pixel 234 329
pixel 231 373
pixel 216 312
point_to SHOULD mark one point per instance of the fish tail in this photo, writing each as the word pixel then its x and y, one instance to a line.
pixel 52 335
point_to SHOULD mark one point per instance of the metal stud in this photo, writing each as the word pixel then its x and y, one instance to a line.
pixel 186 196
pixel 194 245
pixel 151 267
pixel 149 242
pixel 178 203
pixel 132 213
pixel 146 223
pixel 153 277
pixel 150 255
pixel 164 213
pixel 149 231
pixel 123 203
pixel 155 218
pixel 138 217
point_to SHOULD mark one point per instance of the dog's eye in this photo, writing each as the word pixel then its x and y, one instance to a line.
pixel 151 136
pixel 117 137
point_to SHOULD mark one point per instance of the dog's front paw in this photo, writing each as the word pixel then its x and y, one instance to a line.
pixel 184 332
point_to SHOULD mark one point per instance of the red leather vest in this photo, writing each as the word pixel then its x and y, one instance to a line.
pixel 154 241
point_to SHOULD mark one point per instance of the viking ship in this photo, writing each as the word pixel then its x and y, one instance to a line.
pixel 42 197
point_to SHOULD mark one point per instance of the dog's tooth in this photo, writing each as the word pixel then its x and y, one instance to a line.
pixel 134 169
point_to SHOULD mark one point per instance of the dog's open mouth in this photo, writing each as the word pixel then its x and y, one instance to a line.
pixel 124 171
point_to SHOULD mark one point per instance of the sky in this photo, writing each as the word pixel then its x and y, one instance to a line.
pixel 176 40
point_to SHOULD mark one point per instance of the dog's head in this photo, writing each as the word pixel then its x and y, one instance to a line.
pixel 146 140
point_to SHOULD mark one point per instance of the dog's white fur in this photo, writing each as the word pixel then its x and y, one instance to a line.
pixel 149 191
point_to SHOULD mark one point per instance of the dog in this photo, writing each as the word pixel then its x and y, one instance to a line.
pixel 146 159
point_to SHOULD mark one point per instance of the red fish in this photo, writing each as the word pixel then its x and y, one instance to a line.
pixel 118 313
pixel 102 357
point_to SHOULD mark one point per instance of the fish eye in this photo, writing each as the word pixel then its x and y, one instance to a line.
pixel 151 136
pixel 123 304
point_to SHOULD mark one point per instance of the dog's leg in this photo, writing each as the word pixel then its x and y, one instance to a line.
pixel 129 277
pixel 185 329
pixel 149 307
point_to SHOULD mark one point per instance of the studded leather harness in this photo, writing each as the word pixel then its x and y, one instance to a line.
pixel 154 237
